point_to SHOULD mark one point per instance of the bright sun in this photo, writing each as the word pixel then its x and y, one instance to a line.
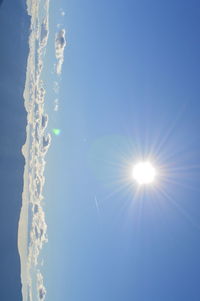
pixel 144 173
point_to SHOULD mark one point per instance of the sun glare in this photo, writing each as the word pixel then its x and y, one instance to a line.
pixel 144 173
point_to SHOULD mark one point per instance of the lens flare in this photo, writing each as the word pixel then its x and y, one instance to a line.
pixel 56 132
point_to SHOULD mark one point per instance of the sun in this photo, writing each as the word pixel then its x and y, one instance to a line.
pixel 144 173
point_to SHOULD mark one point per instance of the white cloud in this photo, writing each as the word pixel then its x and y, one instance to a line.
pixel 60 43
pixel 44 32
pixel 46 141
pixel 44 121
pixel 38 234
pixel 34 151
pixel 56 105
pixel 41 290
pixel 56 87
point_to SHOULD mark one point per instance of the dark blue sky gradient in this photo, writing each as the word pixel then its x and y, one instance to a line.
pixel 14 26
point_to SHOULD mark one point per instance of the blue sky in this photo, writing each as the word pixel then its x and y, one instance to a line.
pixel 129 88
pixel 13 52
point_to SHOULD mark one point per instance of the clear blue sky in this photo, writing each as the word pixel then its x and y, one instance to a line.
pixel 14 24
pixel 130 87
